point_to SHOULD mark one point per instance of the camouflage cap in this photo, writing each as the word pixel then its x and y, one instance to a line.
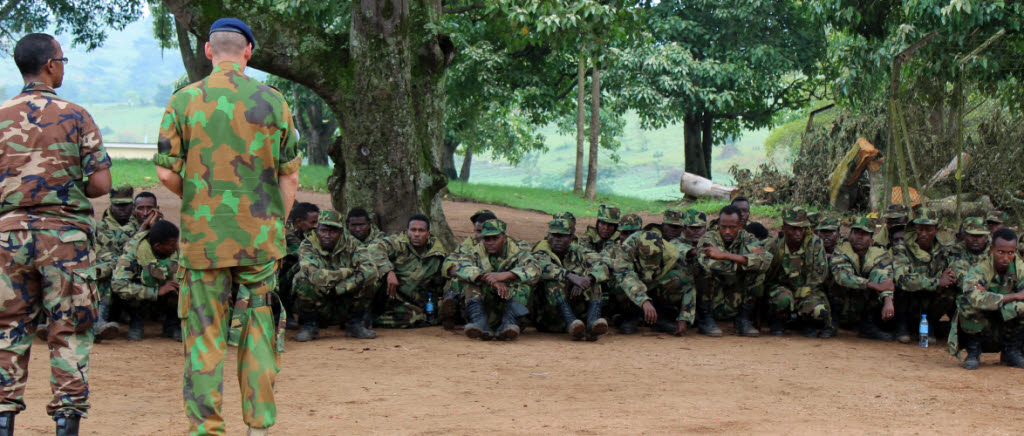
pixel 926 216
pixel 896 211
pixel 568 216
pixel 826 222
pixel 863 223
pixel 673 216
pixel 559 226
pixel 974 225
pixel 331 218
pixel 695 218
pixel 631 222
pixel 124 194
pixel 472 218
pixel 492 227
pixel 814 217
pixel 997 216
pixel 795 216
pixel 608 214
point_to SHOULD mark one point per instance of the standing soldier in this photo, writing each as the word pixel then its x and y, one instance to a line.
pixel 863 279
pixel 734 264
pixel 111 237
pixel 925 283
pixel 227 146
pixel 598 237
pixel 652 275
pixel 53 161
pixel 796 276
pixel 147 274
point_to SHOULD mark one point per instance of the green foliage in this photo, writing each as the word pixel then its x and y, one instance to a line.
pixel 87 20
pixel 314 178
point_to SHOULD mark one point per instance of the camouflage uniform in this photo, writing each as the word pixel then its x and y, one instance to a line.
pixel 829 286
pixel 725 285
pixel 454 290
pixel 981 314
pixel 614 296
pixel 882 236
pixel 852 273
pixel 592 239
pixel 917 274
pixel 961 260
pixel 286 273
pixel 554 286
pixel 645 268
pixel 49 147
pixel 795 278
pixel 111 238
pixel 230 137
pixel 139 274
pixel 419 274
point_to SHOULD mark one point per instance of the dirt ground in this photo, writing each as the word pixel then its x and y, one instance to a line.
pixel 431 381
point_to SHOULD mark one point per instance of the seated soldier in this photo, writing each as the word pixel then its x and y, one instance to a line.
pixel 968 251
pixel 598 237
pixel 827 229
pixel 925 283
pixel 570 284
pixel 615 298
pixel 568 216
pixel 453 303
pixel 147 273
pixel 111 238
pixel 796 276
pixel 733 264
pixel 671 226
pixel 651 272
pixel 328 285
pixel 498 277
pixel 863 279
pixel 896 220
pixel 996 220
pixel 991 309
pixel 301 221
pixel 409 268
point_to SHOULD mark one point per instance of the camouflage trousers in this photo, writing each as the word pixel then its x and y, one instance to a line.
pixel 409 307
pixel 331 307
pixel 455 289
pixel 808 304
pixel 544 304
pixel 205 307
pixel 494 305
pixel 47 271
pixel 727 292
pixel 849 305
pixel 992 325
pixel 934 304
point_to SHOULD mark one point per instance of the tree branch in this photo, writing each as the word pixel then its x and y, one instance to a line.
pixel 463 9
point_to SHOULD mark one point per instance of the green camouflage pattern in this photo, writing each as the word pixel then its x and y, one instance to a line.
pixel 974 225
pixel 645 267
pixel 795 278
pixel 961 260
pixel 997 216
pixel 980 308
pixel 694 218
pixel 232 213
pixel 863 223
pixel 331 283
pixel 593 240
pixel 331 218
pixel 124 194
pixel 895 211
pixel 418 274
pixel 140 273
pixel 630 222
pixel 559 227
pixel 724 283
pixel 492 228
pixel 673 216
pixel 917 274
pixel 827 223
pixel 608 214
pixel 565 216
pixel 795 216
pixel 108 245
pixel 515 259
pixel 554 285
pixel 850 276
pixel 926 216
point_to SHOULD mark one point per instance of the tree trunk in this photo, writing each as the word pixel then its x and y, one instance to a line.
pixel 595 131
pixel 466 162
pixel 448 159
pixel 693 147
pixel 194 58
pixel 706 137
pixel 581 71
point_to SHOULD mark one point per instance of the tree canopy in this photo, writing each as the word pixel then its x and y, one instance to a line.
pixel 87 20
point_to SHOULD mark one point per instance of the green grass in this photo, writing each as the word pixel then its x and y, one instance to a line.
pixel 314 178
pixel 140 173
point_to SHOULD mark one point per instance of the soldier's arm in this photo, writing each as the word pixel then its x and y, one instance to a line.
pixel 126 280
pixel 845 275
pixel 757 258
pixel 549 270
pixel 818 270
pixel 169 158
pixel 107 253
pixel 526 268
pixel 381 253
pixel 622 272
pixel 595 265
pixel 976 290
pixel 881 273
pixel 313 270
pixel 908 279
pixel 466 270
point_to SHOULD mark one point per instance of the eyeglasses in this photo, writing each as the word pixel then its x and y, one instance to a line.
pixel 65 60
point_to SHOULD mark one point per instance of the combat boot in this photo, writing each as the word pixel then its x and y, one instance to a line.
pixel 744 327
pixel 596 326
pixel 1011 355
pixel 869 327
pixel 630 321
pixel 356 326
pixel 310 329
pixel 104 328
pixel 777 326
pixel 172 325
pixel 477 327
pixel 973 345
pixel 509 329
pixel 136 326
pixel 901 333
pixel 6 423
pixel 574 327
pixel 67 423
pixel 706 321
pixel 449 308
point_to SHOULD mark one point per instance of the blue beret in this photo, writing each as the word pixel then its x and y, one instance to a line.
pixel 233 25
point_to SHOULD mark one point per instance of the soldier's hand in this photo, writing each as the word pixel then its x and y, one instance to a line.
pixel 579 281
pixel 888 311
pixel 712 252
pixel 491 278
pixel 167 288
pixel 502 289
pixel 575 292
pixel 392 284
pixel 451 272
pixel 947 279
pixel 886 286
pixel 650 314
pixel 680 328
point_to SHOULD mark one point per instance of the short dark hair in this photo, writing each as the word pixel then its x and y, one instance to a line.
pixel 357 212
pixel 146 194
pixel 739 199
pixel 418 217
pixel 162 231
pixel 1005 234
pixel 302 210
pixel 757 229
pixel 729 210
pixel 484 217
pixel 33 51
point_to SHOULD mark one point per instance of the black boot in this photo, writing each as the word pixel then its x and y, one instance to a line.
pixel 744 327
pixel 902 333
pixel 509 329
pixel 7 424
pixel 973 345
pixel 172 324
pixel 574 327
pixel 630 321
pixel 356 326
pixel 477 327
pixel 104 329
pixel 310 329
pixel 136 326
pixel 777 326
pixel 596 326
pixel 706 321
pixel 449 308
pixel 1011 355
pixel 67 424
pixel 869 326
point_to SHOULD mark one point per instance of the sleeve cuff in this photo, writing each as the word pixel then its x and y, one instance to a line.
pixel 172 163
pixel 97 161
pixel 290 166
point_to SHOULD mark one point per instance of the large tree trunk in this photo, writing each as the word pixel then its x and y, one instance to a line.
pixel 581 116
pixel 448 159
pixel 194 58
pixel 467 161
pixel 595 131
pixel 311 124
pixel 706 137
pixel 694 147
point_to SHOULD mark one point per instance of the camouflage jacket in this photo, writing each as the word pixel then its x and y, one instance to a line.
pixel 579 260
pixel 961 260
pixel 293 239
pixel 453 258
pixel 337 269
pixel 139 273
pixel 515 259
pixel 49 147
pixel 635 277
pixel 414 270
pixel 984 288
pixel 109 243
pixel 851 272
pixel 745 245
pixel 802 270
pixel 231 138
pixel 592 240
pixel 917 270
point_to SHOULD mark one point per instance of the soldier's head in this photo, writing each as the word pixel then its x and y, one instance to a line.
pixel 794 226
pixel 568 216
pixel 862 233
pixel 122 203
pixel 559 236
pixel 304 216
pixel 757 230
pixel 828 230
pixel 492 233
pixel 926 225
pixel 40 58
pixel 163 238
pixel 1004 249
pixel 695 223
pixel 672 224
pixel 418 230
pixel 896 217
pixel 975 234
pixel 996 220
pixel 230 40
pixel 358 223
pixel 607 221
pixel 628 225
pixel 145 203
pixel 743 205
pixel 478 222
pixel 730 220
pixel 329 229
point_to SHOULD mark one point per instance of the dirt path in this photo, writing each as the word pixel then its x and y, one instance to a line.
pixel 430 381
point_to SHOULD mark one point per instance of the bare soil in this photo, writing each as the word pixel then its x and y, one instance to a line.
pixel 431 381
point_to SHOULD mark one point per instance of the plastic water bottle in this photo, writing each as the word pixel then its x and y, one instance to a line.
pixel 430 308
pixel 923 331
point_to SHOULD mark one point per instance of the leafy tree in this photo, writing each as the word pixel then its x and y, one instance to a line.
pixel 313 119
pixel 87 20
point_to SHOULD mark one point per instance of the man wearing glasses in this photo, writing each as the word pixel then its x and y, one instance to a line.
pixel 53 161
